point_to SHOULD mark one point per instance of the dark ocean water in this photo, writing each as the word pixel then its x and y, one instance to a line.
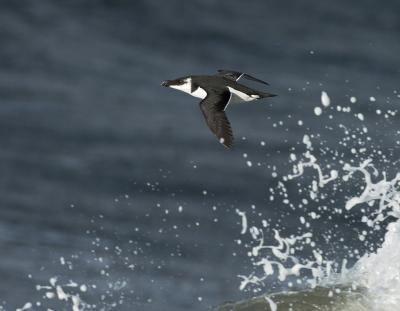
pixel 96 157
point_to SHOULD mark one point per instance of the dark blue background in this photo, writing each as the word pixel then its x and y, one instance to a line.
pixel 91 147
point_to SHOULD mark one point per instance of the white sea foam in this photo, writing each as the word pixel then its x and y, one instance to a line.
pixel 27 306
pixel 272 304
pixel 307 141
pixel 325 100
pixel 244 221
pixel 298 170
pixel 282 259
pixel 55 290
pixel 379 272
pixel 376 272
pixel 318 111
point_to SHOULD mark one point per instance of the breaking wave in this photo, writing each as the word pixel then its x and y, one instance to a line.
pixel 309 278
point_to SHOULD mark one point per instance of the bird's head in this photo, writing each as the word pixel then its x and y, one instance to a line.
pixel 183 84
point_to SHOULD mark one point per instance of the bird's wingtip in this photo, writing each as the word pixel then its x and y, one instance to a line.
pixel 227 144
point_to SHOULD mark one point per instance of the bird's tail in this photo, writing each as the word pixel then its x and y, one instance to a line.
pixel 264 94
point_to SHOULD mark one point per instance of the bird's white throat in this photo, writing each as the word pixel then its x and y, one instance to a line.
pixel 187 88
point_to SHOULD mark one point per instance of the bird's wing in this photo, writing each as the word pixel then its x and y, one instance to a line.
pixel 213 110
pixel 236 75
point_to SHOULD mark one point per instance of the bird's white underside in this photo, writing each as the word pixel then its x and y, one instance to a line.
pixel 199 92
pixel 243 96
pixel 187 88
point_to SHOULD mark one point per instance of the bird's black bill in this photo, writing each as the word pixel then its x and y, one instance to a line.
pixel 165 83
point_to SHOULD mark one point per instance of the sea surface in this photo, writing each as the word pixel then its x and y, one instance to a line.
pixel 114 195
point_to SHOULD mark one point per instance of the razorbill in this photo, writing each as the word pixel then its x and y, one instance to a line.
pixel 216 92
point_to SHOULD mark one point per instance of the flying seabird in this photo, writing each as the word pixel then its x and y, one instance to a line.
pixel 216 92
